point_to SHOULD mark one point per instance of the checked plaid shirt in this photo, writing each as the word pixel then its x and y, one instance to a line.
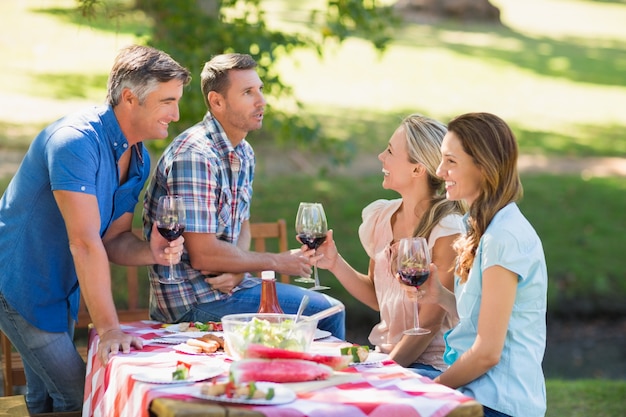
pixel 215 181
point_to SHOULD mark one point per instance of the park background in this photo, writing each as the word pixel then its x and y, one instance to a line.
pixel 554 69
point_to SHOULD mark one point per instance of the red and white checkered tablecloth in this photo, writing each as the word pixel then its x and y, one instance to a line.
pixel 378 390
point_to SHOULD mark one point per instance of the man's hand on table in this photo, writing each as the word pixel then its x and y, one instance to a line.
pixel 114 341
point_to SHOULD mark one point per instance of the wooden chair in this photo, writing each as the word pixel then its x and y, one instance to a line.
pixel 270 230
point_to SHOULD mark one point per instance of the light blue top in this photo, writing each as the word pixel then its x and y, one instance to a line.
pixel 516 385
pixel 77 153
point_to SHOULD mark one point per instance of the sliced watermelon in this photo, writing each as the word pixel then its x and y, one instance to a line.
pixel 258 351
pixel 278 370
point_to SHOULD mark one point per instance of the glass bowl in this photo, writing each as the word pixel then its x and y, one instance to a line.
pixel 273 330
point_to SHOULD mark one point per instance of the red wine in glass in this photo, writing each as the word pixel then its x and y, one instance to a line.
pixel 311 228
pixel 414 277
pixel 170 220
pixel 312 241
pixel 172 231
pixel 413 267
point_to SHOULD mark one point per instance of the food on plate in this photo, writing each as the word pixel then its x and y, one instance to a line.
pixel 209 326
pixel 210 336
pixel 265 352
pixel 181 327
pixel 208 343
pixel 198 326
pixel 248 390
pixel 356 352
pixel 278 370
pixel 182 371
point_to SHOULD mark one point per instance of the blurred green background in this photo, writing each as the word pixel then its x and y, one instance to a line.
pixel 555 70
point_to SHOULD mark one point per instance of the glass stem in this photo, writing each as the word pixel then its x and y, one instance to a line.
pixel 315 276
pixel 416 318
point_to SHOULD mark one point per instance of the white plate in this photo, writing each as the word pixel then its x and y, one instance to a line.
pixel 182 337
pixel 282 395
pixel 373 358
pixel 168 340
pixel 164 375
pixel 190 350
pixel 321 334
pixel 185 327
pixel 177 327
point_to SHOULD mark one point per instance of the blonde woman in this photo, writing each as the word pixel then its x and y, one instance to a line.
pixel 409 163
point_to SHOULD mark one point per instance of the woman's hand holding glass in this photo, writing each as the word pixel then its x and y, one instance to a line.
pixel 429 292
pixel 326 254
pixel 413 267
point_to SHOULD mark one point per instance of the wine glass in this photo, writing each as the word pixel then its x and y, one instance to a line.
pixel 311 229
pixel 413 263
pixel 170 220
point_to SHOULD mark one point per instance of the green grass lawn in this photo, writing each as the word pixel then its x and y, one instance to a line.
pixel 586 398
pixel 555 71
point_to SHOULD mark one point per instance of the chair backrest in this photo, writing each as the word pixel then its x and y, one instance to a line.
pixel 259 232
pixel 12 374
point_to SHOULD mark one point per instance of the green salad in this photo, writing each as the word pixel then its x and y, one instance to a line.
pixel 278 335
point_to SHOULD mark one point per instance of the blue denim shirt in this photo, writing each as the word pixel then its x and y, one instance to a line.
pixel 516 385
pixel 77 153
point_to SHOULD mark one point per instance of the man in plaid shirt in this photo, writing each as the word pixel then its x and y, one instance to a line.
pixel 211 165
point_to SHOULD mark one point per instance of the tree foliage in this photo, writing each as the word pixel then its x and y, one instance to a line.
pixel 193 31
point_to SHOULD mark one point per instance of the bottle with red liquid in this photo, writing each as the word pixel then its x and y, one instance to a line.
pixel 269 299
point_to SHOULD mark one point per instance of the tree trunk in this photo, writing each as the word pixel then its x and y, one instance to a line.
pixel 468 10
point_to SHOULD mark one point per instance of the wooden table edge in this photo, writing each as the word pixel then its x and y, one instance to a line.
pixel 169 407
pixel 467 409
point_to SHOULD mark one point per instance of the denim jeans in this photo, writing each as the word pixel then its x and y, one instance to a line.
pixel 425 370
pixel 490 412
pixel 55 372
pixel 289 296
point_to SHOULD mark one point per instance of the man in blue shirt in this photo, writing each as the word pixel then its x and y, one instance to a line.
pixel 68 212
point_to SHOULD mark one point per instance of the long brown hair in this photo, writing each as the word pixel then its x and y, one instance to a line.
pixel 423 138
pixel 493 148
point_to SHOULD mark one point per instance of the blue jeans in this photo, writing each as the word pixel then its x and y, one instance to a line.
pixel 425 370
pixel 289 296
pixel 490 412
pixel 55 372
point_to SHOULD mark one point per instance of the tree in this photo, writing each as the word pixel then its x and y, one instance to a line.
pixel 458 9
pixel 192 31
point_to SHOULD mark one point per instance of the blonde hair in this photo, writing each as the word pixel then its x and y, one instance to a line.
pixel 423 138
